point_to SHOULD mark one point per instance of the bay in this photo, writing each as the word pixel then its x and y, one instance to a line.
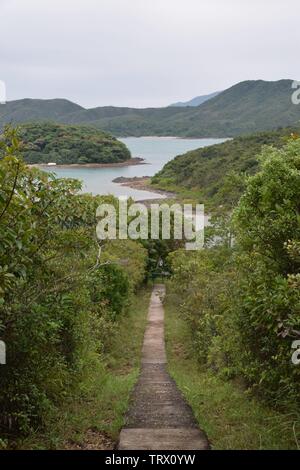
pixel 156 151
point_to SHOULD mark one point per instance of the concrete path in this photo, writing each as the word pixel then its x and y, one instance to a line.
pixel 158 416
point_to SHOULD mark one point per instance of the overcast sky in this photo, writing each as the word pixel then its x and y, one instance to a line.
pixel 144 52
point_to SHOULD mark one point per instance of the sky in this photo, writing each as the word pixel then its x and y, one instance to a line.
pixel 143 53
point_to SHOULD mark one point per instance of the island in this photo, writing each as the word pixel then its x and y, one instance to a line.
pixel 49 143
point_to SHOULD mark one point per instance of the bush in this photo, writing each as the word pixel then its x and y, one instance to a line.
pixel 58 302
pixel 243 303
pixel 267 306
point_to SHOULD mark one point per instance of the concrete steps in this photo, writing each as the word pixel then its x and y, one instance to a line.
pixel 158 417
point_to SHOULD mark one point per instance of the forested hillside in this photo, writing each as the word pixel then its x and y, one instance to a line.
pixel 241 300
pixel 214 174
pixel 50 142
pixel 27 110
pixel 246 107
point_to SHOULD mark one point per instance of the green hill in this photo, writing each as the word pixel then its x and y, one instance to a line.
pixel 246 107
pixel 26 110
pixel 51 142
pixel 211 173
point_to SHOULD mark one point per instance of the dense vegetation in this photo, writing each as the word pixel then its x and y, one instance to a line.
pixel 63 299
pixel 247 107
pixel 62 144
pixel 215 174
pixel 242 299
pixel 232 416
pixel 59 303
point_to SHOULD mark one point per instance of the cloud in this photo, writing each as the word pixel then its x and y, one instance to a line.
pixel 141 52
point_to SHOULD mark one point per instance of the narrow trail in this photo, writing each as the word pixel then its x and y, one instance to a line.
pixel 158 417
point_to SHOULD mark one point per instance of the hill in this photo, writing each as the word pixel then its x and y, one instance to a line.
pixel 211 173
pixel 196 101
pixel 245 108
pixel 51 142
pixel 25 110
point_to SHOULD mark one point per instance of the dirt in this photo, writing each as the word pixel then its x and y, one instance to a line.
pixel 93 440
pixel 142 183
pixel 131 161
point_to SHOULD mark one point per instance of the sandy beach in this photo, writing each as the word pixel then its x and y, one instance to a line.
pixel 132 161
pixel 142 183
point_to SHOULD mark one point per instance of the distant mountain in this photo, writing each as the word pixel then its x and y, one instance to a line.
pixel 250 106
pixel 247 107
pixel 196 101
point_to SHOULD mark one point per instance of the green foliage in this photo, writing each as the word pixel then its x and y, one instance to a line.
pixel 202 281
pixel 215 174
pixel 159 249
pixel 243 303
pixel 92 416
pixel 231 416
pixel 62 144
pixel 58 301
pixel 132 260
pixel 115 288
pixel 267 305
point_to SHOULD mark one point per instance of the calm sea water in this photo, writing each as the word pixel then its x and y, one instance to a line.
pixel 156 151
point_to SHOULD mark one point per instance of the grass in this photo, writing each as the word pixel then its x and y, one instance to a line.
pixel 94 415
pixel 182 193
pixel 231 418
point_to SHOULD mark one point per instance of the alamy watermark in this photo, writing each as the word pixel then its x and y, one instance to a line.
pixel 296 94
pixel 296 353
pixel 2 92
pixel 159 222
pixel 2 353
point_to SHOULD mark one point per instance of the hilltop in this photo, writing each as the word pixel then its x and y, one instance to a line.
pixel 247 107
pixel 25 110
pixel 196 101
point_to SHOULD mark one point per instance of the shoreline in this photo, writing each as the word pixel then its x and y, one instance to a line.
pixel 169 137
pixel 141 183
pixel 132 161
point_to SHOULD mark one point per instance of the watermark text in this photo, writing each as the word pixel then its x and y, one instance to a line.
pixel 161 221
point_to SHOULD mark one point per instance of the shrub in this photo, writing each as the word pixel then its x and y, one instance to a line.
pixel 58 301
pixel 243 303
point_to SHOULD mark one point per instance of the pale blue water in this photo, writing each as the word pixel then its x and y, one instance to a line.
pixel 156 151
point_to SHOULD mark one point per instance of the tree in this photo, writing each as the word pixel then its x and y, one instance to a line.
pixel 267 307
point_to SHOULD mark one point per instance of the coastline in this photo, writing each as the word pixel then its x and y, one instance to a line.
pixel 132 161
pixel 168 137
pixel 142 184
